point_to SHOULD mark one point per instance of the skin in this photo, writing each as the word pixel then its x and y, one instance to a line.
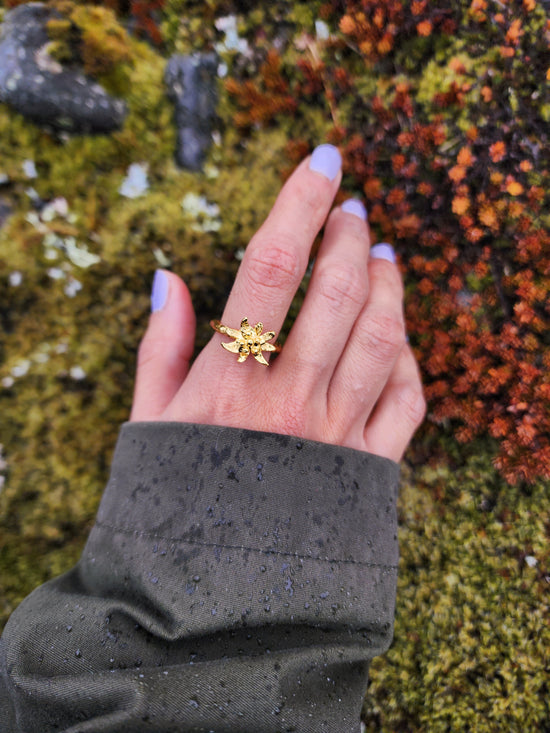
pixel 346 375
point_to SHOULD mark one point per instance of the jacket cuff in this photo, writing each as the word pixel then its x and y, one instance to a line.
pixel 214 527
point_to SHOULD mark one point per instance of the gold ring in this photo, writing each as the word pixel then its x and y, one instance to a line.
pixel 248 340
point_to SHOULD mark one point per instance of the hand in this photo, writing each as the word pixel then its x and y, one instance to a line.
pixel 346 374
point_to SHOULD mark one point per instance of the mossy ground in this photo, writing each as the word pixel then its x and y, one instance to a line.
pixel 472 627
pixel 472 638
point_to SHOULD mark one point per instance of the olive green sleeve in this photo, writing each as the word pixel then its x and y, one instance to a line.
pixel 233 581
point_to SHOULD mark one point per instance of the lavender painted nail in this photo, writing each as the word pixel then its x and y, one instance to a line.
pixel 326 160
pixel 383 251
pixel 354 206
pixel 159 293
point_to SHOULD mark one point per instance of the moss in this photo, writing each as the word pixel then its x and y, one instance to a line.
pixel 69 341
pixel 92 36
pixel 471 633
pixel 471 639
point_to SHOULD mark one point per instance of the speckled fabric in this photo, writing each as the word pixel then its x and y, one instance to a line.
pixel 234 581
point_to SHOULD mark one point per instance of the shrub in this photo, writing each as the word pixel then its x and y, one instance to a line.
pixel 442 112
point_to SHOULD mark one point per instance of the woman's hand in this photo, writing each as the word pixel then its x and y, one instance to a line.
pixel 346 374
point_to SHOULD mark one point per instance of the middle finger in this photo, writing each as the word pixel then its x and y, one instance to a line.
pixel 336 294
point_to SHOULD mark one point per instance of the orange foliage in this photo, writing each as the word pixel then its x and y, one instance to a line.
pixel 497 151
pixel 261 101
pixel 513 187
pixel 464 205
pixel 424 28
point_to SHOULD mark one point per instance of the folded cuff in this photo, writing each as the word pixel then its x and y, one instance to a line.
pixel 214 526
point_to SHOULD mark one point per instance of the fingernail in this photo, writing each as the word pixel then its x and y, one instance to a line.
pixel 326 160
pixel 159 293
pixel 354 206
pixel 383 251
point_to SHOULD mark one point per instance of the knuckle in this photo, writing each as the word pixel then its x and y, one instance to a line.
pixel 273 265
pixel 152 350
pixel 412 403
pixel 294 410
pixel 343 283
pixel 388 276
pixel 382 335
pixel 293 421
pixel 314 199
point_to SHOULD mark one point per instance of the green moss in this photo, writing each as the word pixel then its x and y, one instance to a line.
pixel 70 359
pixel 92 36
pixel 471 633
pixel 471 639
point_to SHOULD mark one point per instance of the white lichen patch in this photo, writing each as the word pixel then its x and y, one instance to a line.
pixel 45 62
pixel 232 42
pixel 135 184
pixel 322 31
pixel 205 214
pixel 211 171
pixel 57 207
pixel 72 287
pixel 77 373
pixel 21 368
pixel 56 273
pixel 79 254
pixel 29 169
pixel 161 258
pixel 55 244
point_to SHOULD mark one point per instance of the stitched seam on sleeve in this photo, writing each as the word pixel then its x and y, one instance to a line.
pixel 152 535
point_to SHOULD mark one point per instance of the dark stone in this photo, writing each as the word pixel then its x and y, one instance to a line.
pixel 192 86
pixel 6 211
pixel 40 88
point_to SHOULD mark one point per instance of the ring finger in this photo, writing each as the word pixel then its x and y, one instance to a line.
pixel 276 259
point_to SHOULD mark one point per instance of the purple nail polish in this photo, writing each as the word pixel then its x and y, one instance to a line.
pixel 354 206
pixel 159 293
pixel 326 160
pixel 383 251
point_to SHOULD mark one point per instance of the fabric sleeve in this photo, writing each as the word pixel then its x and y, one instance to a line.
pixel 233 581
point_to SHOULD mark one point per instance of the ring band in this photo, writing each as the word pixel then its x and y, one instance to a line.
pixel 249 340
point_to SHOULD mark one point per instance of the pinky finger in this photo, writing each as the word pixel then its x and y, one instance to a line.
pixel 399 411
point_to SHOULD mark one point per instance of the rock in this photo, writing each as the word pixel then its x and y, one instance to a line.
pixel 6 211
pixel 192 86
pixel 40 88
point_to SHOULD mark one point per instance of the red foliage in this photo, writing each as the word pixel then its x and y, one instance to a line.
pixel 261 100
pixel 143 13
pixel 463 205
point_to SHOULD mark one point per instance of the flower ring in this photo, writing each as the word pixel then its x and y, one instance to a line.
pixel 248 340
